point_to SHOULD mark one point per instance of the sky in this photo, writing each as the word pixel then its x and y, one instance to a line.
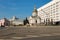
pixel 19 8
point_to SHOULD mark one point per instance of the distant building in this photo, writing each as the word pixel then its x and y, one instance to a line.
pixel 50 11
pixel 4 22
pixel 13 18
pixel 16 21
pixel 34 19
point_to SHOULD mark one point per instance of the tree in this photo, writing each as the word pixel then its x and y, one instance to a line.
pixel 26 21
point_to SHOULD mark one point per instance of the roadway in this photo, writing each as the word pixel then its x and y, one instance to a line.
pixel 31 33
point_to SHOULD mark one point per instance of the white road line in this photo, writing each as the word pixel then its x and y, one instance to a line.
pixel 18 37
pixel 32 35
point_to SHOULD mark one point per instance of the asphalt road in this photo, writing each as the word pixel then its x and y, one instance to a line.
pixel 31 33
pixel 44 38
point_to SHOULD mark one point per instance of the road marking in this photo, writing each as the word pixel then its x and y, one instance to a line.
pixel 18 37
pixel 45 34
pixel 32 35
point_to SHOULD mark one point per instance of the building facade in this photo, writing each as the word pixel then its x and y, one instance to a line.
pixel 4 22
pixel 50 11
pixel 16 21
pixel 34 19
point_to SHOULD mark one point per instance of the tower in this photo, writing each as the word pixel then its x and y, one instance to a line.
pixel 34 12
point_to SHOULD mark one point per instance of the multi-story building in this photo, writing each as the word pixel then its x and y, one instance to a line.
pixel 50 11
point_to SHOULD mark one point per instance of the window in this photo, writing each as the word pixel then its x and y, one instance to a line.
pixel 57 2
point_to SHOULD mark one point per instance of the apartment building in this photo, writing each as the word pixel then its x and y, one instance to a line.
pixel 50 11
